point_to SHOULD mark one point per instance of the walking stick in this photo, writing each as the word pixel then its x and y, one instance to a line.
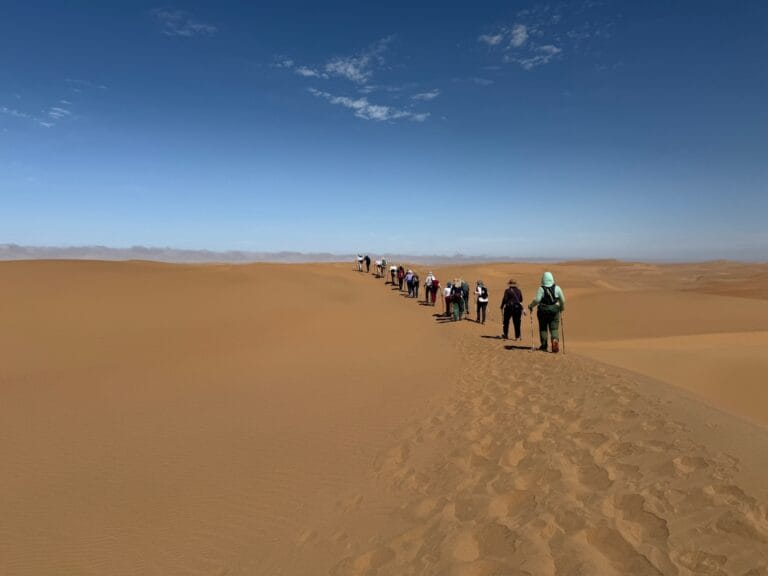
pixel 530 313
pixel 562 330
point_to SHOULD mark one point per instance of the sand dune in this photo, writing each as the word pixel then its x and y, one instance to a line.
pixel 276 419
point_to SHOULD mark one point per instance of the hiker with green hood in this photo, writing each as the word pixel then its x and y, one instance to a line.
pixel 551 302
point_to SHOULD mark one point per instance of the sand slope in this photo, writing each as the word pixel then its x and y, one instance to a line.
pixel 265 419
pixel 165 419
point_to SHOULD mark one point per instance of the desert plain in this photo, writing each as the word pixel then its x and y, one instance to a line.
pixel 160 419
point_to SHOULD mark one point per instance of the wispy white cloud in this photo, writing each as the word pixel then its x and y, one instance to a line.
pixel 518 35
pixel 181 23
pixel 57 113
pixel 546 31
pixel 491 39
pixel 521 44
pixel 13 112
pixel 283 62
pixel 47 122
pixel 427 96
pixel 308 72
pixel 359 68
pixel 366 110
pixel 538 57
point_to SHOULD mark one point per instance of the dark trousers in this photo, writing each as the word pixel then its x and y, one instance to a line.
pixel 415 290
pixel 481 306
pixel 400 283
pixel 516 314
pixel 549 320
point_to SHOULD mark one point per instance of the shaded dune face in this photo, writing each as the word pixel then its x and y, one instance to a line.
pixel 296 419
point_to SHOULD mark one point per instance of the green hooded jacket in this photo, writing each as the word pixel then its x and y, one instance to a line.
pixel 547 281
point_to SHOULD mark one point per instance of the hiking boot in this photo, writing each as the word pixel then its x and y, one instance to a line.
pixel 543 347
pixel 555 346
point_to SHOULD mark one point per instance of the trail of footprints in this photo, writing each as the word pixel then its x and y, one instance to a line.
pixel 513 478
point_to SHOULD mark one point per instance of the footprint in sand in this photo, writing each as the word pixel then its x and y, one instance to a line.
pixel 621 554
pixel 731 522
pixel 685 465
pixel 634 509
pixel 703 563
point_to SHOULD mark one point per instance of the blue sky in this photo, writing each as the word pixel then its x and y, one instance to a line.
pixel 517 129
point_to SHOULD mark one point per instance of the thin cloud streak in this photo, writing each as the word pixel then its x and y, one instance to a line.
pixel 13 112
pixel 309 72
pixel 366 110
pixel 181 23
pixel 359 68
pixel 491 40
pixel 426 96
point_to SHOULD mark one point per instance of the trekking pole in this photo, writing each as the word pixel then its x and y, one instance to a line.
pixel 562 330
pixel 530 313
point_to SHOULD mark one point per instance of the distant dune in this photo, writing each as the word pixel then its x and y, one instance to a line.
pixel 176 255
pixel 309 419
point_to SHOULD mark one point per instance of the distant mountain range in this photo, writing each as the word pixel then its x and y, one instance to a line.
pixel 16 252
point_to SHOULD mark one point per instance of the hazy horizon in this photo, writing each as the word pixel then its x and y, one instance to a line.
pixel 9 252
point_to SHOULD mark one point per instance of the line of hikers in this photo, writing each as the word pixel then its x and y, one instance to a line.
pixel 549 300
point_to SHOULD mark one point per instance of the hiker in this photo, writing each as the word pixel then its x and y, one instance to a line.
pixel 409 282
pixel 435 288
pixel 512 307
pixel 415 283
pixel 359 262
pixel 400 277
pixel 457 300
pixel 367 263
pixel 464 296
pixel 551 302
pixel 447 291
pixel 428 286
pixel 482 301
pixel 393 273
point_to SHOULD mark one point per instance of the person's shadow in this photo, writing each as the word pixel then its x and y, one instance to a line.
pixel 507 346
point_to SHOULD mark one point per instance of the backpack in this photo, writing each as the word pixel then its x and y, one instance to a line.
pixel 428 281
pixel 549 297
pixel 484 292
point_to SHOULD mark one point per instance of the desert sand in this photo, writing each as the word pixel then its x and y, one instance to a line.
pixel 308 419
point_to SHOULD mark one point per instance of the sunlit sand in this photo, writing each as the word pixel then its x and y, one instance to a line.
pixel 308 419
